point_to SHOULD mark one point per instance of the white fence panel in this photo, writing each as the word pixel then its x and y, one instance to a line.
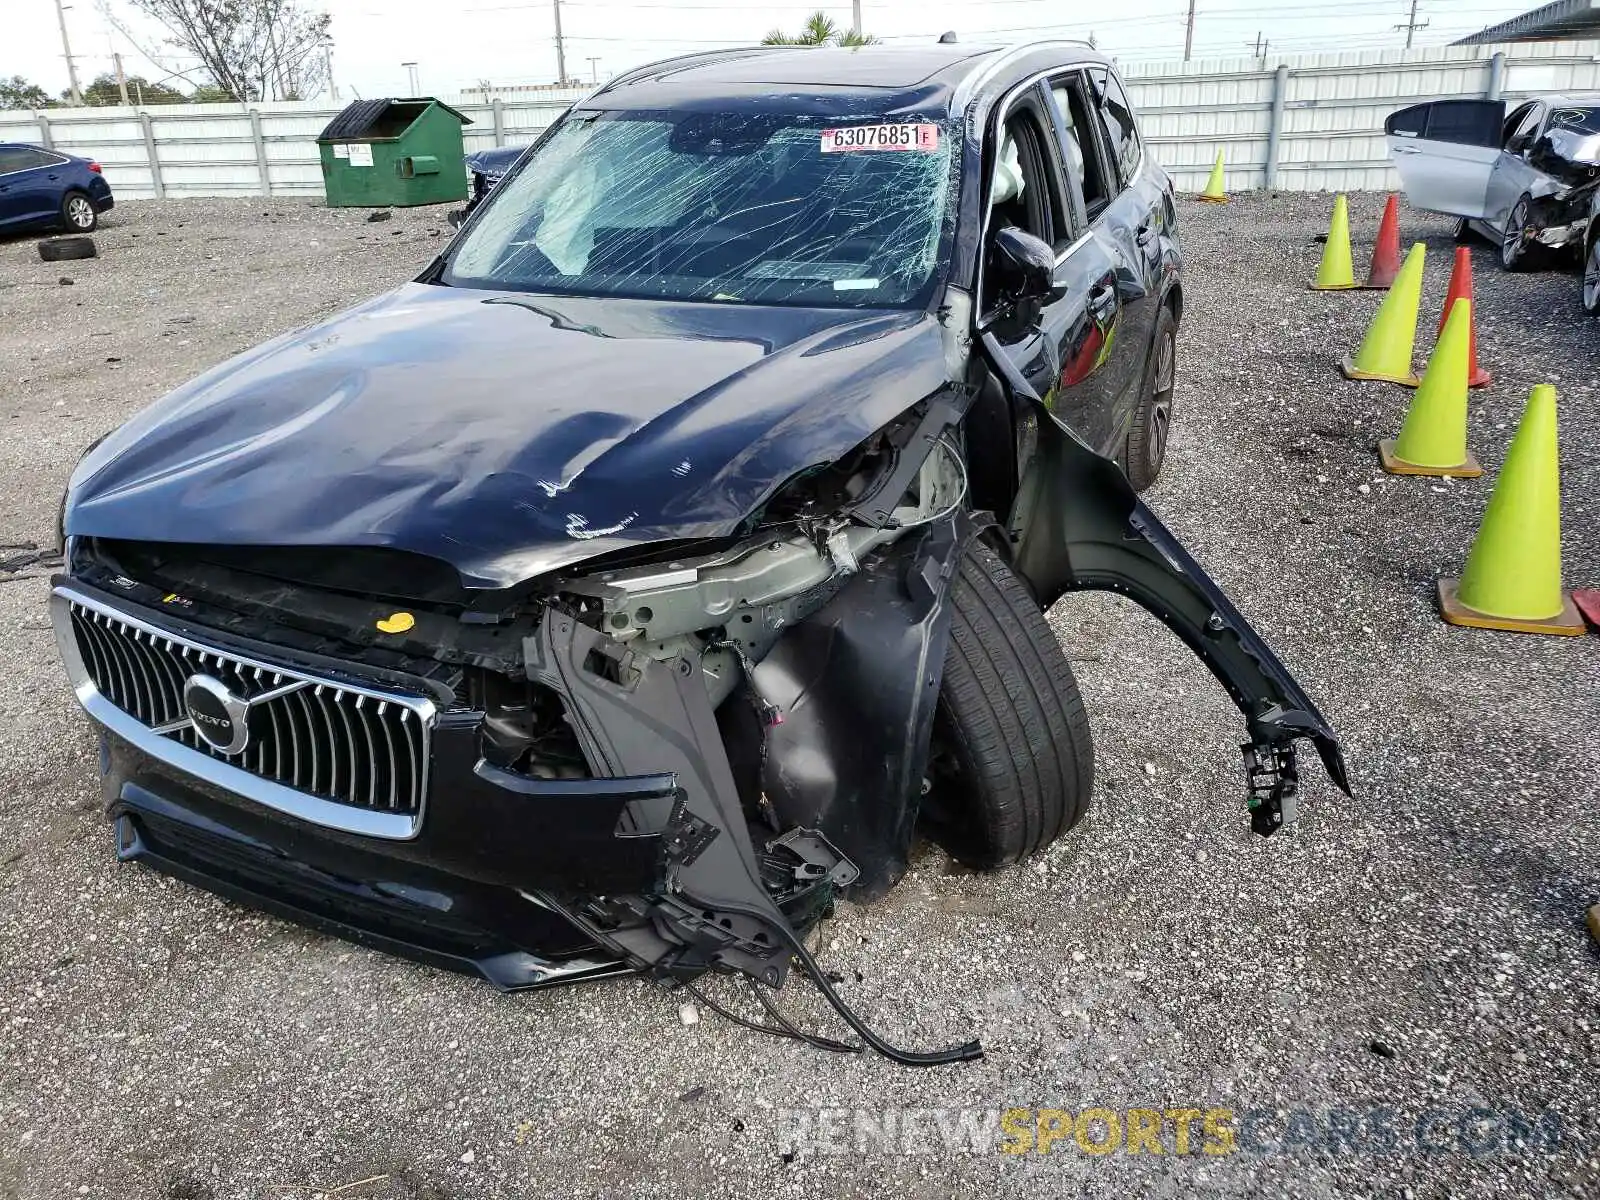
pixel 1307 122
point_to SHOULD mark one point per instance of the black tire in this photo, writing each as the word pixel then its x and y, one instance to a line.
pixel 1462 233
pixel 78 214
pixel 1591 276
pixel 1013 763
pixel 62 248
pixel 1146 449
pixel 1517 253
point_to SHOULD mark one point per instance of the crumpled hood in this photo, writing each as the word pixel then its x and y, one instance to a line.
pixel 505 434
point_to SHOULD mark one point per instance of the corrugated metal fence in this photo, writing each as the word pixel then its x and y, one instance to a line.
pixel 1309 122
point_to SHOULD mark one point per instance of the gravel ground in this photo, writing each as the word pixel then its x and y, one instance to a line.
pixel 1417 949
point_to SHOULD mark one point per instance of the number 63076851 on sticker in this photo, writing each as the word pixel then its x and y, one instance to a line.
pixel 923 138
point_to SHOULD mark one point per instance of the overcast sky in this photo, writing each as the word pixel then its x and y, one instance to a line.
pixel 457 43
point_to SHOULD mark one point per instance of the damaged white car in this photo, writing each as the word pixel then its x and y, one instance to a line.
pixel 1522 180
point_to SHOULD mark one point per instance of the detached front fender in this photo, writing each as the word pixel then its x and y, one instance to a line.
pixel 1084 528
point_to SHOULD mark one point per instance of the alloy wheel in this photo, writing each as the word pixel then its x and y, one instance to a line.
pixel 80 212
pixel 1161 399
pixel 1513 244
pixel 1591 278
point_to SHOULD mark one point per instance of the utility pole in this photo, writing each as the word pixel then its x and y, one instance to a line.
pixel 1188 33
pixel 1261 45
pixel 855 16
pixel 122 79
pixel 411 72
pixel 327 66
pixel 66 50
pixel 594 71
pixel 1411 26
pixel 561 51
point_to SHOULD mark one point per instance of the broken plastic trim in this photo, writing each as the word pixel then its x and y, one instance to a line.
pixel 1084 528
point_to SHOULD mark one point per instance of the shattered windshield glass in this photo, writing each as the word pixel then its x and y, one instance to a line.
pixel 755 208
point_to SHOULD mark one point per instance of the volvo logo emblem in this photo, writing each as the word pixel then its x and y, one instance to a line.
pixel 219 717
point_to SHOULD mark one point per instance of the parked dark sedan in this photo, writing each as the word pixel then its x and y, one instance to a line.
pixel 649 569
pixel 45 189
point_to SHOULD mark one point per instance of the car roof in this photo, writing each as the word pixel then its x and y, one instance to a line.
pixel 930 77
pixel 1574 99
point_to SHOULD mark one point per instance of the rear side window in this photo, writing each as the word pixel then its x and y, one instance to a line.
pixel 22 158
pixel 1122 131
pixel 1080 149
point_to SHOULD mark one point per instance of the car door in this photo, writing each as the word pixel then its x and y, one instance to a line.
pixel 1445 152
pixel 31 187
pixel 1066 353
pixel 1514 174
pixel 1131 227
pixel 13 161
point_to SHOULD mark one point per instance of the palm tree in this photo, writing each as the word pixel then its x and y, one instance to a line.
pixel 819 30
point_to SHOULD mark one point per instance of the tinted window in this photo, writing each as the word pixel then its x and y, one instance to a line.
pixel 1079 147
pixel 735 207
pixel 22 158
pixel 1122 132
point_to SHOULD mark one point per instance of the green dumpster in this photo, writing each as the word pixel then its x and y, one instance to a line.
pixel 396 152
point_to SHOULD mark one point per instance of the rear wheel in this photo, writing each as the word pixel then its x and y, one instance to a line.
pixel 1518 250
pixel 1012 766
pixel 1147 440
pixel 77 213
pixel 1591 276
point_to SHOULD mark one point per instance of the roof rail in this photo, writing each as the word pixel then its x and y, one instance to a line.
pixel 969 85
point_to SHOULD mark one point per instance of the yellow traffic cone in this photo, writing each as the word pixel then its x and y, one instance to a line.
pixel 1336 273
pixel 1214 193
pixel 1512 579
pixel 1385 352
pixel 1433 441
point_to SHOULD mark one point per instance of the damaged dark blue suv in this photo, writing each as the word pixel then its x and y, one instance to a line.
pixel 654 566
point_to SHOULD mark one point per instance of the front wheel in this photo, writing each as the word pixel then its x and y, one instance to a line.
pixel 1012 765
pixel 77 213
pixel 1462 231
pixel 1591 276
pixel 1518 251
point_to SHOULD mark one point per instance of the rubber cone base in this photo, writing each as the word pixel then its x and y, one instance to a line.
pixel 1333 287
pixel 1588 602
pixel 1212 199
pixel 1350 372
pixel 1566 623
pixel 1399 466
pixel 1372 287
pixel 1480 378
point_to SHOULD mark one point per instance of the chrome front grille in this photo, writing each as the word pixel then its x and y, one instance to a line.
pixel 340 754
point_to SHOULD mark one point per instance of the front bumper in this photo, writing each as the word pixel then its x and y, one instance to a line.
pixel 456 891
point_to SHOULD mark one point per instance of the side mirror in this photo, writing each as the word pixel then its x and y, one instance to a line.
pixel 1024 268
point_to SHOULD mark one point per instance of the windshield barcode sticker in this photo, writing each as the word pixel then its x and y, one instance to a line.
pixel 924 138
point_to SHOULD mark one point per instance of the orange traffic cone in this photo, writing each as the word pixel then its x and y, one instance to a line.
pixel 1588 602
pixel 1386 253
pixel 1461 289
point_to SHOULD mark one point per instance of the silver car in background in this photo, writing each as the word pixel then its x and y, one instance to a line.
pixel 1524 180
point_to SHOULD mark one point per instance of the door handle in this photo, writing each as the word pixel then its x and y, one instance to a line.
pixel 1407 150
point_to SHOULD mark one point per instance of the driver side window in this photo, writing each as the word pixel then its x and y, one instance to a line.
pixel 1522 137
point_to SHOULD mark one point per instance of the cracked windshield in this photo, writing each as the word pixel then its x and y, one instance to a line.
pixel 761 209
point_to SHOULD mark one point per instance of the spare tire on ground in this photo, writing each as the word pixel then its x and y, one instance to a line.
pixel 62 248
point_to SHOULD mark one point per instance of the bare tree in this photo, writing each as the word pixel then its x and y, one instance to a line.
pixel 252 49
